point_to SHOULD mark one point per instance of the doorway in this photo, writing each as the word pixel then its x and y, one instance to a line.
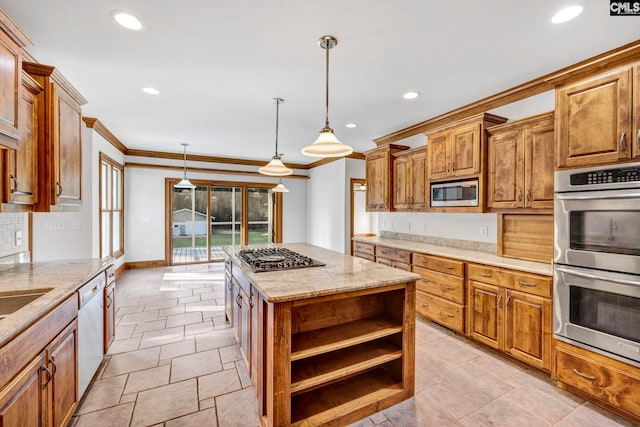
pixel 363 223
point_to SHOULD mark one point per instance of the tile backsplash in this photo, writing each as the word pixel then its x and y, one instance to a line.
pixel 9 224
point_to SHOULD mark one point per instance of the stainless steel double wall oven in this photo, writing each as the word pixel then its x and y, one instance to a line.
pixel 597 259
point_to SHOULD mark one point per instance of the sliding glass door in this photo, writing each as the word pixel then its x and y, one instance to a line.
pixel 189 238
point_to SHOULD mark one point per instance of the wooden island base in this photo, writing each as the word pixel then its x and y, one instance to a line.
pixel 328 360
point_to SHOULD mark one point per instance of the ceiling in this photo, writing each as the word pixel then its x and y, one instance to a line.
pixel 218 64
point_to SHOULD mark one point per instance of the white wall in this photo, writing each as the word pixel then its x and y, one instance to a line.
pixel 326 206
pixel 448 225
pixel 145 205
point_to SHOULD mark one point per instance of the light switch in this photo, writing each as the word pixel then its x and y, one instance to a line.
pixel 18 238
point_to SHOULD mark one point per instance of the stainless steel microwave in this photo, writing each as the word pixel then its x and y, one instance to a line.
pixel 459 193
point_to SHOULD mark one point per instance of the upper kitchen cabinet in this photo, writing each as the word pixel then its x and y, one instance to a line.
pixel 594 119
pixel 457 150
pixel 59 140
pixel 379 164
pixel 521 164
pixel 409 180
pixel 12 40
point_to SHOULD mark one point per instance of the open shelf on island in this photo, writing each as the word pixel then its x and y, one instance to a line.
pixel 333 366
pixel 349 396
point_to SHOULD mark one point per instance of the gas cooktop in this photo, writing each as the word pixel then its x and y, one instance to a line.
pixel 273 259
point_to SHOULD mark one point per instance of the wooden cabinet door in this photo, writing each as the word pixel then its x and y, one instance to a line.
pixel 636 113
pixel 22 163
pixel 23 400
pixel 528 328
pixel 486 321
pixel 438 162
pixel 377 165
pixel 539 165
pixel 593 119
pixel 67 143
pixel 245 328
pixel 465 150
pixel 237 311
pixel 419 196
pixel 10 88
pixel 63 387
pixel 109 316
pixel 228 297
pixel 506 168
pixel 402 183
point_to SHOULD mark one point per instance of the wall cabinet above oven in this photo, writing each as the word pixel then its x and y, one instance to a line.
pixel 598 119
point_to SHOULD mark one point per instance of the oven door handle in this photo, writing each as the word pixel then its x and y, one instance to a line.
pixel 633 195
pixel 597 277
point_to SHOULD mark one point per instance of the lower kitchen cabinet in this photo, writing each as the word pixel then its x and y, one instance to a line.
pixel 109 315
pixel 599 378
pixel 61 384
pixel 22 401
pixel 393 257
pixel 508 319
pixel 364 250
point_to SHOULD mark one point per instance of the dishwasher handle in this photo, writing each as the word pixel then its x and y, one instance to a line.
pixel 91 289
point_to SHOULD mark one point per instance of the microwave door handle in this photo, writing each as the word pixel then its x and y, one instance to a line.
pixel 597 277
pixel 597 196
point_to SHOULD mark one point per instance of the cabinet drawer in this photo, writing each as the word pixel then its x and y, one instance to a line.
pixel 365 248
pixel 443 265
pixel 402 266
pixel 611 385
pixel 442 311
pixel 111 275
pixel 533 284
pixel 227 264
pixel 443 285
pixel 393 254
pixel 364 255
pixel 485 274
pixel 525 282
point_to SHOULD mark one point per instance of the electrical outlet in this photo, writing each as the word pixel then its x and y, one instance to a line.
pixel 18 238
pixel 423 227
pixel 409 226
pixel 76 225
pixel 484 231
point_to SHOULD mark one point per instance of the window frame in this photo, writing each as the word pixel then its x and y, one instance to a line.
pixel 111 165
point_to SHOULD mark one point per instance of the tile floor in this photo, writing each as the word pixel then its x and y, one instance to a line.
pixel 175 362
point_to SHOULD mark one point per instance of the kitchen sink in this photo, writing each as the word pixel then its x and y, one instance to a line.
pixel 14 301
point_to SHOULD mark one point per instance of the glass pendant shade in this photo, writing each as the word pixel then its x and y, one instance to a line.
pixel 280 188
pixel 275 168
pixel 327 145
pixel 185 183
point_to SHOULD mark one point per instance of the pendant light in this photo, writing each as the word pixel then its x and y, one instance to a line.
pixel 327 145
pixel 280 188
pixel 275 167
pixel 185 183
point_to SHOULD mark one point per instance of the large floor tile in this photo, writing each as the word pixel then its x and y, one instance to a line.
pixel 147 379
pixel 195 365
pixel 115 416
pixel 138 360
pixel 165 403
pixel 180 348
pixel 419 411
pixel 218 383
pixel 216 339
pixel 238 409
pixel 206 418
pixel 504 413
pixel 102 394
pixel 539 403
pixel 162 336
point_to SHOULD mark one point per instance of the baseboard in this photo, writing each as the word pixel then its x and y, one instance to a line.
pixel 144 264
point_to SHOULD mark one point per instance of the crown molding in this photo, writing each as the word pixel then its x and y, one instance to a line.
pixel 101 129
pixel 13 30
pixel 614 57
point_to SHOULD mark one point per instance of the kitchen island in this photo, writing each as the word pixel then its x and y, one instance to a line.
pixel 324 345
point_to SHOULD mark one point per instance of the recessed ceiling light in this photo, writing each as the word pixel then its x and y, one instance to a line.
pixel 351 125
pixel 151 90
pixel 567 14
pixel 411 95
pixel 127 20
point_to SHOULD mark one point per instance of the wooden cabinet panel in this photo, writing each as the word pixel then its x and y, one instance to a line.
pixel 442 285
pixel 419 196
pixel 10 88
pixel 443 265
pixel 528 237
pixel 364 248
pixel 109 315
pixel 486 314
pixel 636 112
pixel 22 401
pixel 379 165
pixel 593 119
pixel 528 328
pixel 438 164
pixel 393 254
pixel 401 183
pixel 62 387
pixel 465 150
pixel 229 298
pixel 521 164
pixel 69 130
pixel 440 310
pixel 409 180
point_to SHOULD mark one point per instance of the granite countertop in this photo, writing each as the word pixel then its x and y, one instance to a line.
pixel 59 278
pixel 342 273
pixel 469 255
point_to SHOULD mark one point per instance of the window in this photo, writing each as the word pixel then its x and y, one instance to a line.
pixel 111 203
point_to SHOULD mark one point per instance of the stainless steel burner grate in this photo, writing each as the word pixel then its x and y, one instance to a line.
pixel 273 259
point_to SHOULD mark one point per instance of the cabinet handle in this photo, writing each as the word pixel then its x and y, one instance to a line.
pixel 59 188
pixel 484 275
pixel 638 138
pixel 109 301
pixel 580 374
pixel 14 181
pixel 48 376
pixel 528 194
pixel 55 367
pixel 623 146
pixel 251 300
pixel 447 287
pixel 448 314
pixel 531 285
pixel 453 166
pixel 424 305
pixel 499 301
pixel 507 303
pixel 448 267
pixel 519 194
pixel 239 300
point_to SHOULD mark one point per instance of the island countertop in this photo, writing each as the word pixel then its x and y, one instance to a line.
pixel 59 279
pixel 342 273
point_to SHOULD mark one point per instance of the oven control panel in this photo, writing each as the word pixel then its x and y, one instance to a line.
pixel 606 176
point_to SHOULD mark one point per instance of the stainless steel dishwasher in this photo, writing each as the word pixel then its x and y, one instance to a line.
pixel 90 330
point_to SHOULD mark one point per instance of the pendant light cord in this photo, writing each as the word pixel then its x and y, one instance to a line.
pixel 277 115
pixel 326 121
pixel 185 160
